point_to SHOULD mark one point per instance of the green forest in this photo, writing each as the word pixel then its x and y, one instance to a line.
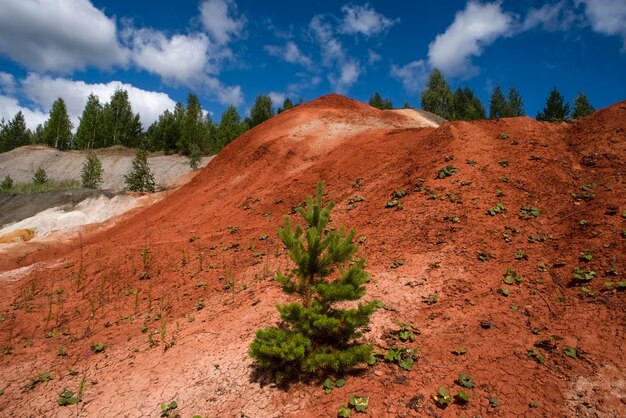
pixel 190 131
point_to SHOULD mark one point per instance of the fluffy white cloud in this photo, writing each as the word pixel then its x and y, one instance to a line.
pixel 179 60
pixel 9 106
pixel 349 72
pixel 607 17
pixel 58 35
pixel 7 83
pixel 187 60
pixel 346 69
pixel 44 90
pixel 475 27
pixel 550 17
pixel 215 16
pixel 364 20
pixel 412 75
pixel 277 98
pixel 289 53
pixel 373 57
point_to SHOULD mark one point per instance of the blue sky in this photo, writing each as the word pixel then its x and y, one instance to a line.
pixel 227 51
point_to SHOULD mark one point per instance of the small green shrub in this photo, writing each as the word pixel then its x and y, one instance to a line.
pixel 497 208
pixel 7 183
pixel 91 173
pixel 446 172
pixel 40 176
pixel 318 336
pixel 140 178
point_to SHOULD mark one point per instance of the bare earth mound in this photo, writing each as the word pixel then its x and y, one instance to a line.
pixel 176 292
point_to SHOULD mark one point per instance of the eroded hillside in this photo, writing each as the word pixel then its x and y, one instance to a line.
pixel 445 216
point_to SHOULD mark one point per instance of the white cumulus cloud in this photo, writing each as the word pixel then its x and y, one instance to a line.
pixel 44 90
pixel 344 70
pixel 607 17
pixel 179 60
pixel 475 27
pixel 58 35
pixel 412 75
pixel 550 17
pixel 364 20
pixel 289 53
pixel 9 106
pixel 216 19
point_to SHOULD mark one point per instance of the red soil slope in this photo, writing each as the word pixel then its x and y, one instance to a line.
pixel 176 291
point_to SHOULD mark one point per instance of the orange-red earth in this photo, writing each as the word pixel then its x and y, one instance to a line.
pixel 174 292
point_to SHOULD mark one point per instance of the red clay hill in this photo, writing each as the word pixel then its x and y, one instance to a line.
pixel 500 243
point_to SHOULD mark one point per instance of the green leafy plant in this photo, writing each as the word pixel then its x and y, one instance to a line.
pixel 521 255
pixel 511 277
pixel 462 398
pixel 167 409
pixel 344 412
pixel 495 209
pixel 536 355
pixel 582 276
pixel 527 212
pixel 446 172
pixel 396 263
pixel 442 398
pixel 405 333
pixel 483 256
pixel 359 403
pixel 465 380
pixel 571 352
pixel 97 347
pixel 494 402
pixel 67 398
pixel 33 382
pixel 403 357
pixel 586 256
pixel 431 299
pixel 329 384
pixel 317 335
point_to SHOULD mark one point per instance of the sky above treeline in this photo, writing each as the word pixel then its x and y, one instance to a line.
pixel 228 51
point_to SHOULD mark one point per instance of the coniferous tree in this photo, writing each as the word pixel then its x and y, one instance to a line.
pixel 120 125
pixel 210 140
pixel 406 105
pixel 90 126
pixel 467 106
pixel 40 176
pixel 140 178
pixel 58 129
pixel 497 104
pixel 261 111
pixel 437 98
pixel 514 105
pixel 319 336
pixel 91 173
pixel 7 183
pixel 287 104
pixel 230 127
pixel 37 136
pixel 192 127
pixel 379 103
pixel 582 107
pixel 14 133
pixel 556 109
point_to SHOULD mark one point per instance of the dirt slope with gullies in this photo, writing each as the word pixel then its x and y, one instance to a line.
pixel 176 292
